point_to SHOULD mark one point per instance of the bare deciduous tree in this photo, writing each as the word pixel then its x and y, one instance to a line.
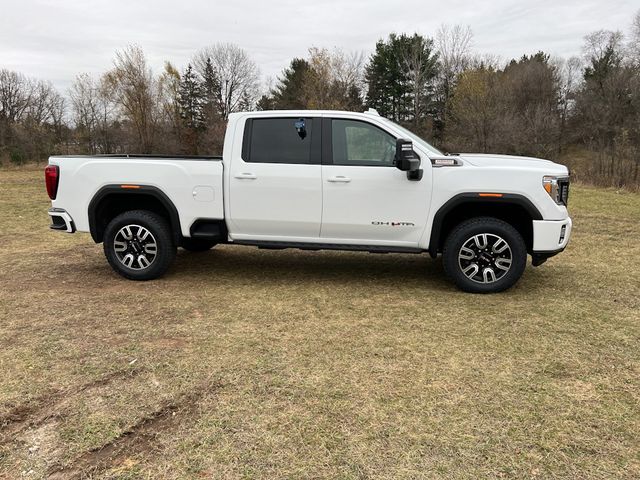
pixel 169 86
pixel 597 44
pixel 238 76
pixel 348 70
pixel 420 66
pixel 569 74
pixel 476 112
pixel 453 44
pixel 454 47
pixel 93 113
pixel 31 115
pixel 334 80
pixel 134 89
pixel 634 43
pixel 16 92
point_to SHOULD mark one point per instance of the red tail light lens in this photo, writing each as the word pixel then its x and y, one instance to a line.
pixel 51 178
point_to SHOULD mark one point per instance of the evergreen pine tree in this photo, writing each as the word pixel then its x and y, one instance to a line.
pixel 190 100
pixel 401 77
pixel 190 103
pixel 289 93
pixel 210 93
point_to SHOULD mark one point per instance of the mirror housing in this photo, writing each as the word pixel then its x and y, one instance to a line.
pixel 301 128
pixel 406 159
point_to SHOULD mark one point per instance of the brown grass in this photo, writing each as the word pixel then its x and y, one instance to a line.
pixel 243 363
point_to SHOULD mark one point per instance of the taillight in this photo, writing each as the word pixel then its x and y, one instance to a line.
pixel 51 178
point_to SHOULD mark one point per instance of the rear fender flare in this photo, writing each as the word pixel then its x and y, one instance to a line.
pixel 142 190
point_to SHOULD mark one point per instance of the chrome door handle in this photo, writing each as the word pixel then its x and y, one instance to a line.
pixel 339 179
pixel 246 176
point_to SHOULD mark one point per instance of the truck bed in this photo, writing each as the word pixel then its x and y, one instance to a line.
pixel 192 184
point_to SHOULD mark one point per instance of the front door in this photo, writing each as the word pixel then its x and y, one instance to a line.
pixel 367 200
pixel 275 182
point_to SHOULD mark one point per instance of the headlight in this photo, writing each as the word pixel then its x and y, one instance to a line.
pixel 557 188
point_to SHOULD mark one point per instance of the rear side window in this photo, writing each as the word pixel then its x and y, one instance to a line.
pixel 279 140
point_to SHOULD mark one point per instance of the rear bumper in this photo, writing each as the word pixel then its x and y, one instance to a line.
pixel 550 237
pixel 61 220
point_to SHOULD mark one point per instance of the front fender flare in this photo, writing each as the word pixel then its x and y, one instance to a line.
pixel 476 198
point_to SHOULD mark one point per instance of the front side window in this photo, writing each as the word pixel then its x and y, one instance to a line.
pixel 360 143
pixel 280 140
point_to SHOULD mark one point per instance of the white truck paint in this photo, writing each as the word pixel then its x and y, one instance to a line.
pixel 359 203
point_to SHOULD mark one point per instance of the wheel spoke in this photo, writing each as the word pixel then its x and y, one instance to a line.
pixel 488 275
pixel 143 262
pixel 500 246
pixel 503 264
pixel 151 248
pixel 466 253
pixel 128 260
pixel 127 233
pixel 481 241
pixel 471 270
pixel 119 246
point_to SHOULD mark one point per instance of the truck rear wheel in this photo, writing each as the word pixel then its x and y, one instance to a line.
pixel 138 245
pixel 484 255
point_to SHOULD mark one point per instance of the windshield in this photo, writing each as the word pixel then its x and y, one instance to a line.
pixel 416 139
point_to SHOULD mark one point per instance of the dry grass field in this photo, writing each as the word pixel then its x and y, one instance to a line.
pixel 243 363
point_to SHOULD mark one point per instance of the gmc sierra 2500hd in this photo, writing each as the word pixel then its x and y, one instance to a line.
pixel 318 180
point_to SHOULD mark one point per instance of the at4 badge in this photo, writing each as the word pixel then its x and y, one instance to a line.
pixel 394 224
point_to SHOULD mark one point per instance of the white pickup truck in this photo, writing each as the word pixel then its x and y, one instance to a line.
pixel 318 180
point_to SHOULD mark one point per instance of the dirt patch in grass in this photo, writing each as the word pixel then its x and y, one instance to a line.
pixel 138 440
pixel 242 363
pixel 39 410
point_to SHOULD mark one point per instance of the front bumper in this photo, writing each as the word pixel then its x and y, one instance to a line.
pixel 550 237
pixel 61 220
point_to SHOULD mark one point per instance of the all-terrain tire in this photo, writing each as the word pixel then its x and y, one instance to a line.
pixel 484 255
pixel 138 245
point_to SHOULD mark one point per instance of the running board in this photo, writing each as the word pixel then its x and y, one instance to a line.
pixel 328 246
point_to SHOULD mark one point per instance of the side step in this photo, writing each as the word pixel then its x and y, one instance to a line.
pixel 328 246
pixel 209 229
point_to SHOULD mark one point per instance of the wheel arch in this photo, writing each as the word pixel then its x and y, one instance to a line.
pixel 514 209
pixel 111 200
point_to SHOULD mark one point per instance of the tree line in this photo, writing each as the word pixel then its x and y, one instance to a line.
pixel 583 111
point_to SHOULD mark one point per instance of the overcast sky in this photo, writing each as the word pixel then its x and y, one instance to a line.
pixel 57 39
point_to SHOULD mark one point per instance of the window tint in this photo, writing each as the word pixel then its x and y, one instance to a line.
pixel 360 143
pixel 280 140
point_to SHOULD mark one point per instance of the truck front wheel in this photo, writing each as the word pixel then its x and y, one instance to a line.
pixel 138 245
pixel 484 255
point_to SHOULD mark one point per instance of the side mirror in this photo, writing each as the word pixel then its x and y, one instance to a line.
pixel 406 159
pixel 301 128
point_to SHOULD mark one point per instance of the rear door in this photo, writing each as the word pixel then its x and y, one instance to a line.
pixel 275 180
pixel 367 200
